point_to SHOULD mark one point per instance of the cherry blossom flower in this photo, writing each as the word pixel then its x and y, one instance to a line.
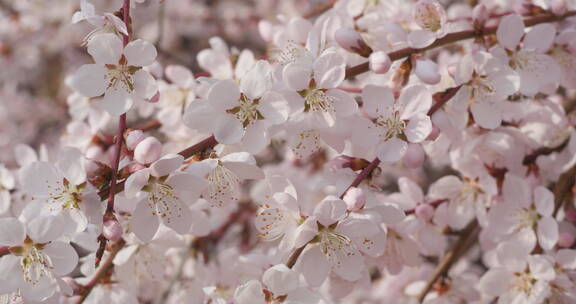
pixel 107 23
pixel 117 73
pixel 36 257
pixel 163 195
pixel 239 114
pixel 61 189
pixel 224 175
pixel 536 69
pixel 393 123
pixel 430 16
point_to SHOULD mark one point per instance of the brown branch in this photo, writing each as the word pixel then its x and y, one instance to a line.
pixel 531 158
pixel 104 269
pixel 455 37
pixel 563 188
pixel 466 240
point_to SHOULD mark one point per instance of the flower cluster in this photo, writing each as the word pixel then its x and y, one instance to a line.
pixel 376 152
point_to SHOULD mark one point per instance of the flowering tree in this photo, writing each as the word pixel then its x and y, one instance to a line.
pixel 372 152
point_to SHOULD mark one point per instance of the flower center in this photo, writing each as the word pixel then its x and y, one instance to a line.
pixel 524 282
pixel 391 126
pixel 317 100
pixel 121 75
pixel 162 199
pixel 428 16
pixel 292 52
pixel 528 218
pixel 247 111
pixel 35 264
pixel 336 246
pixel 223 186
pixel 66 195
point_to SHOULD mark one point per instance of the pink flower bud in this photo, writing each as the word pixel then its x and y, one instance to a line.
pixel 558 7
pixel 480 15
pixel 112 230
pixel 155 98
pixel 379 62
pixel 134 138
pixel 424 211
pixel 434 133
pixel 428 71
pixel 355 199
pixel 148 151
pixel 414 157
pixel 94 152
pixel 351 41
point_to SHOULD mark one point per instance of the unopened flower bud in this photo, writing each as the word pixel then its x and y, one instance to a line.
pixel 558 7
pixel 351 41
pixel 134 138
pixel 480 15
pixel 379 62
pixel 355 199
pixel 414 157
pixel 427 71
pixel 112 230
pixel 424 211
pixel 566 239
pixel 148 151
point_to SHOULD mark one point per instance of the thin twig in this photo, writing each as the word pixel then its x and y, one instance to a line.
pixel 466 240
pixel 455 37
pixel 563 188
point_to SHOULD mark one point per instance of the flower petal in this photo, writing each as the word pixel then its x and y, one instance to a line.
pixel 89 80
pixel 391 150
pixel 510 31
pixel 140 53
pixel 144 221
pixel 105 49
pixel 13 232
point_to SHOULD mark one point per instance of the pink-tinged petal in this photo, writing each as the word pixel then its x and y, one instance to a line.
pixel 547 232
pixel 180 75
pixel 391 150
pixel 11 276
pixel 513 251
pixel 566 258
pixel 39 179
pixel 174 214
pixel 496 281
pixel 421 38
pixel 135 182
pixel 329 70
pixel 296 76
pixel 516 191
pixel 280 279
pixel 390 213
pixel 144 85
pixel 245 61
pixel 5 201
pixel 486 115
pixel 229 130
pixel 446 187
pixel 45 229
pixel 116 101
pixel 144 221
pixel 13 232
pixel 223 95
pixel 418 128
pixel 510 31
pixel 166 165
pixel 256 81
pixel 63 256
pixel 411 190
pixel 250 293
pixel 544 201
pixel 140 53
pixel 187 182
pixel 330 210
pixel 71 165
pixel 271 223
pixel 245 170
pixel 313 265
pixel 537 71
pixel 255 138
pixel 89 80
pixel 540 38
pixel 344 103
pixel 373 245
pixel 427 71
pixel 305 143
pixel 200 116
pixel 348 263
pixel 413 100
pixel 274 108
pixel 376 100
pixel 358 226
pixel 105 49
pixel 305 232
pixel 541 267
